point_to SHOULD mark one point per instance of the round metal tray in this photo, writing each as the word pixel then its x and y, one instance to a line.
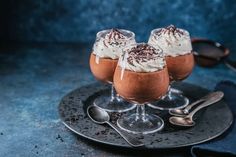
pixel 210 123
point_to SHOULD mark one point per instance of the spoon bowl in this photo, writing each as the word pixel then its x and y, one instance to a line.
pixel 98 115
pixel 179 112
pixel 182 121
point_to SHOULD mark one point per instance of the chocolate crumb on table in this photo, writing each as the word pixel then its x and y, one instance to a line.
pixel 59 138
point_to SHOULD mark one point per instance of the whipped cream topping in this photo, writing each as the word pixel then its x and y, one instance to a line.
pixel 109 43
pixel 142 58
pixel 173 41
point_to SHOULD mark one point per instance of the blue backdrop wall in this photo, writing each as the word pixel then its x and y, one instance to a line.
pixel 79 20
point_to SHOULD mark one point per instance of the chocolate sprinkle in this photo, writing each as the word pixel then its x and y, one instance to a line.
pixel 142 53
pixel 171 29
pixel 114 36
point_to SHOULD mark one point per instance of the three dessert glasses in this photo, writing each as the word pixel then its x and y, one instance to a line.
pixel 141 74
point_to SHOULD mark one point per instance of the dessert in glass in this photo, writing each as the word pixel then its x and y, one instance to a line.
pixel 177 48
pixel 141 77
pixel 103 60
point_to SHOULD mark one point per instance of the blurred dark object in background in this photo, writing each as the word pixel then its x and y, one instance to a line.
pixel 208 53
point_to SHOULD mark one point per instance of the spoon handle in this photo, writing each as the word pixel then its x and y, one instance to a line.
pixel 128 138
pixel 208 96
pixel 193 104
pixel 230 64
pixel 215 98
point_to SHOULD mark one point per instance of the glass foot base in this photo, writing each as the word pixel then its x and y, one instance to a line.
pixel 173 100
pixel 132 124
pixel 115 105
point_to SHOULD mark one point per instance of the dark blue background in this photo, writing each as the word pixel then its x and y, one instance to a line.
pixel 79 20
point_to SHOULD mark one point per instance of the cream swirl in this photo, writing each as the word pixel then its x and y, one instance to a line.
pixel 109 43
pixel 142 58
pixel 173 41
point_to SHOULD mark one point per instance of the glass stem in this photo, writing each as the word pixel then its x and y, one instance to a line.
pixel 169 92
pixel 113 93
pixel 140 112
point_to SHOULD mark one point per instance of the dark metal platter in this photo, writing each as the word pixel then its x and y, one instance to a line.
pixel 210 123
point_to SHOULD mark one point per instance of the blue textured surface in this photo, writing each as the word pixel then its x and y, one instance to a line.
pixel 34 78
pixel 226 143
pixel 79 20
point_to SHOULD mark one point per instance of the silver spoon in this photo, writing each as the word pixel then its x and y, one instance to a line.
pixel 230 64
pixel 185 111
pixel 188 120
pixel 100 116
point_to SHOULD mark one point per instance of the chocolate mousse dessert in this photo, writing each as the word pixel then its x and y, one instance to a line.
pixel 140 77
pixel 106 51
pixel 103 61
pixel 177 48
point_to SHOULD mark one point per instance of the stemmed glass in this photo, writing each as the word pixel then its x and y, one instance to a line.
pixel 103 60
pixel 179 67
pixel 141 87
